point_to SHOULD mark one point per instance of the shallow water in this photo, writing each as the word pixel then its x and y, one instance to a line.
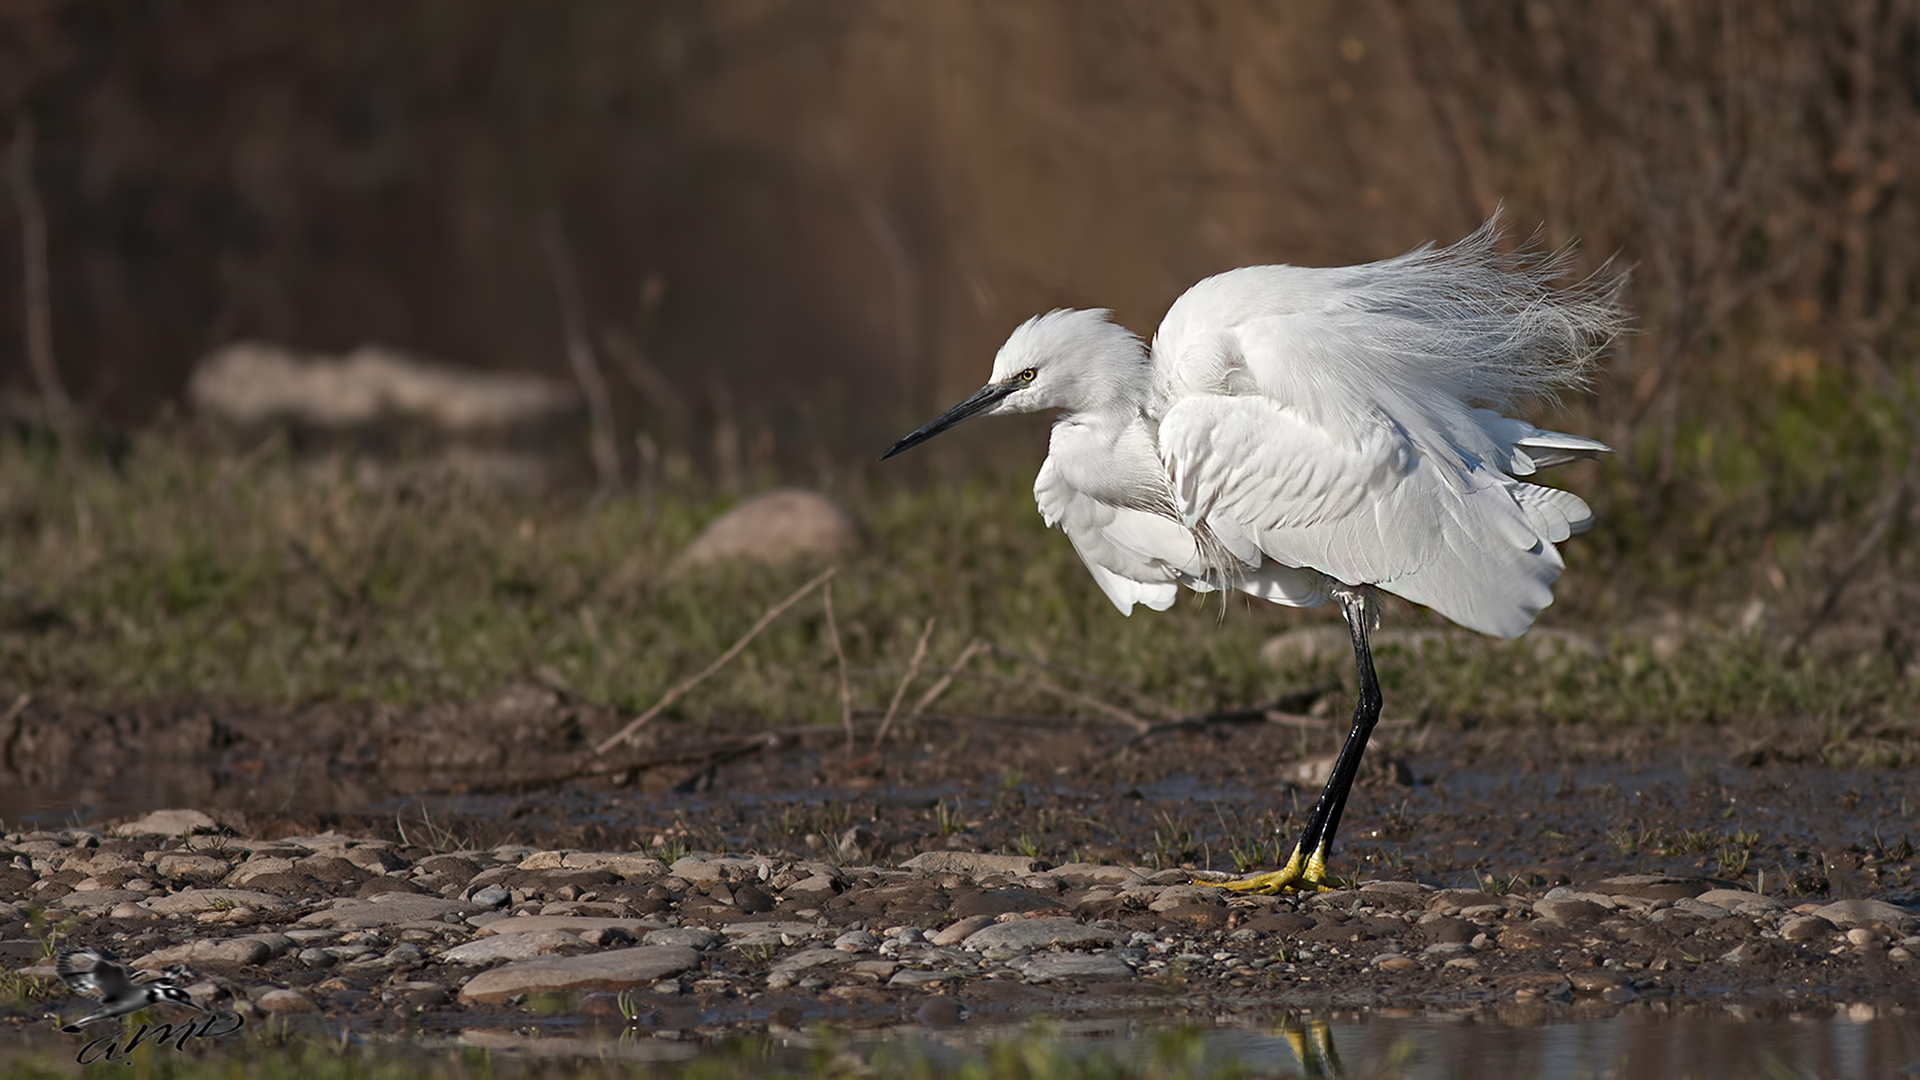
pixel 1848 1041
pixel 1856 1041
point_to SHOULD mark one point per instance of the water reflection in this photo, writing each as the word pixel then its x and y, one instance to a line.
pixel 1858 1040
pixel 1736 1040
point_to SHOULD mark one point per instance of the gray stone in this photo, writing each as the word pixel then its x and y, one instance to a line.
pixel 1850 913
pixel 819 886
pixel 1025 935
pixel 775 528
pixel 1698 909
pixel 96 899
pixel 281 1002
pixel 193 901
pixel 1050 966
pixel 317 958
pixel 277 944
pixel 691 937
pixel 1805 928
pixel 571 924
pixel 789 970
pixel 167 823
pixel 916 977
pixel 973 865
pixel 227 951
pixel 625 863
pixel 1568 911
pixel 1174 896
pixel 173 864
pixel 375 858
pixel 387 909
pixel 707 869
pixel 1097 874
pixel 492 896
pixel 615 969
pixel 488 950
pixel 750 933
pixel 962 930
pixel 1739 901
pixel 247 872
pixel 856 941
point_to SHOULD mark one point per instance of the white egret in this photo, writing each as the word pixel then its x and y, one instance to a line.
pixel 1305 435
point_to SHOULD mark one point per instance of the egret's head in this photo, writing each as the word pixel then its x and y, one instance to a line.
pixel 1061 360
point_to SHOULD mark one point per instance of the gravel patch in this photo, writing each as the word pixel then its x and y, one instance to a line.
pixel 727 935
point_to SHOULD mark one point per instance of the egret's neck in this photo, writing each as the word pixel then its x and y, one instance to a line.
pixel 1112 389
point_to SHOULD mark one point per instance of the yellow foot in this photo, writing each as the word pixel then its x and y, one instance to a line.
pixel 1299 875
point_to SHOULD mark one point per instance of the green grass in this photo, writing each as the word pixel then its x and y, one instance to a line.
pixel 172 574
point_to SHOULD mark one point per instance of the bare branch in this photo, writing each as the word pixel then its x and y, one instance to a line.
pixel 679 690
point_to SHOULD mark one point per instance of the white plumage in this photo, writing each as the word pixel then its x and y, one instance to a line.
pixel 1310 434
pixel 1293 430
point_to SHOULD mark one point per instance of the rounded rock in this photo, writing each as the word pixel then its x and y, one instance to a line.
pixel 856 941
pixel 281 1002
pixel 776 528
pixel 317 958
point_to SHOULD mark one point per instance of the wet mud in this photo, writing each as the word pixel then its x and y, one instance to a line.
pixel 968 867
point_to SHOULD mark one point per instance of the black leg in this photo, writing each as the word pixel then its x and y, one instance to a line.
pixel 1307 867
pixel 1317 841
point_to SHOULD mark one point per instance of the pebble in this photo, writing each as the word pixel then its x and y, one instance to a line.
pixel 856 941
pixel 1052 966
pixel 1805 928
pixel 1851 913
pixel 386 909
pixel 960 931
pixel 193 901
pixel 488 950
pixel 616 969
pixel 224 951
pixel 691 937
pixel 555 920
pixel 1025 935
pixel 168 823
pixel 279 1002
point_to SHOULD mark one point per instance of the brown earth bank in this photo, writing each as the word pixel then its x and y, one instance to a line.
pixel 466 864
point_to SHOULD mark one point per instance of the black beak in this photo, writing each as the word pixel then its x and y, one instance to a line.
pixel 983 399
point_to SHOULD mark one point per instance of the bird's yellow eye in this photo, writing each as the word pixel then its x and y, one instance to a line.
pixel 1025 376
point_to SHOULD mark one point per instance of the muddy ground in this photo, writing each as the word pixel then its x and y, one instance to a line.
pixel 1541 872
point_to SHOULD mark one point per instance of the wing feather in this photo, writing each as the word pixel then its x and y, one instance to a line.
pixel 1133 555
pixel 1364 507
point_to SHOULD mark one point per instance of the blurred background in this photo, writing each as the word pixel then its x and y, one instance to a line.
pixel 762 238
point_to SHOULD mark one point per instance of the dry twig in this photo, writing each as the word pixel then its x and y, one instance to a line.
pixel 840 657
pixel 913 672
pixel 1138 697
pixel 974 648
pixel 679 689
